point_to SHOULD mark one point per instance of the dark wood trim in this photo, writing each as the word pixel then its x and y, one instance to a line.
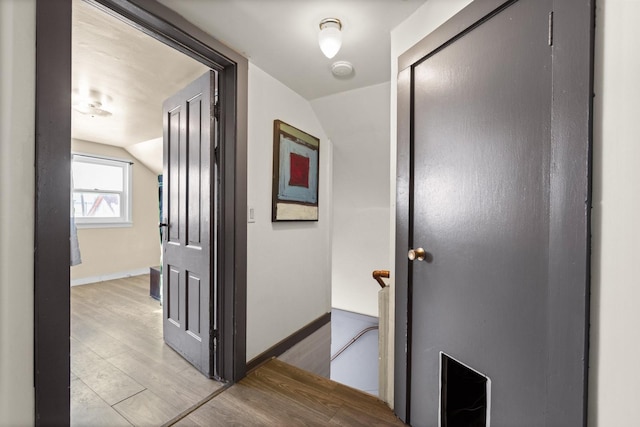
pixel 570 211
pixel 293 339
pixel 468 18
pixel 569 250
pixel 52 201
pixel 53 139
pixel 233 222
pixel 402 373
pixel 165 25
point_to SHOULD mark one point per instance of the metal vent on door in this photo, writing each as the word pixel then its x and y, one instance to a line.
pixel 464 395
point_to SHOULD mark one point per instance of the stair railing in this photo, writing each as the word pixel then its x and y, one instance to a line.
pixel 378 275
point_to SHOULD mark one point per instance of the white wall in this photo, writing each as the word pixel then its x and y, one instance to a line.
pixel 17 142
pixel 288 263
pixel 149 153
pixel 615 286
pixel 357 122
pixel 423 21
pixel 116 252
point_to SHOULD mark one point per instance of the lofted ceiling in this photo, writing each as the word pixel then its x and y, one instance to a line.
pixel 138 72
pixel 135 70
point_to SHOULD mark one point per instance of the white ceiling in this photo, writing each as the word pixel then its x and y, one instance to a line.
pixel 279 36
pixel 135 70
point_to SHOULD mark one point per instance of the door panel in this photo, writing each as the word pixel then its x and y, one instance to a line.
pixel 173 296
pixel 480 209
pixel 194 172
pixel 188 249
pixel 194 295
pixel 172 171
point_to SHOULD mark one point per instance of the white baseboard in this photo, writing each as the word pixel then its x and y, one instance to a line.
pixel 112 276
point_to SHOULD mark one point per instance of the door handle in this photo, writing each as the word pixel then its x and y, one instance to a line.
pixel 417 254
pixel 163 224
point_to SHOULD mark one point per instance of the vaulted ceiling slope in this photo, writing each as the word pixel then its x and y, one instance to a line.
pixel 281 37
pixel 133 69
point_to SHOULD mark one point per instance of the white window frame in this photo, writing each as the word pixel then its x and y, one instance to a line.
pixel 126 219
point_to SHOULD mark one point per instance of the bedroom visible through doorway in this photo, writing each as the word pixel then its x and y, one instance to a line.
pixel 121 369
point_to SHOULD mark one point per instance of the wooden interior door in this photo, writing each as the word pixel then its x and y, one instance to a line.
pixel 482 214
pixel 189 197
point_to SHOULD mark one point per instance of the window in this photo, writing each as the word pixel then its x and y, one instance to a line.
pixel 101 191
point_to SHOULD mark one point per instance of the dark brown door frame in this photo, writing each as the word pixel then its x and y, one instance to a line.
pixel 570 210
pixel 52 190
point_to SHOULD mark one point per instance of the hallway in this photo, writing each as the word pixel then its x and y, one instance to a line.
pixel 123 374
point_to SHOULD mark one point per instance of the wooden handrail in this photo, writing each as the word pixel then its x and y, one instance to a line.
pixel 378 275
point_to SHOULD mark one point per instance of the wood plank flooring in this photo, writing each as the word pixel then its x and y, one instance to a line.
pixel 122 373
pixel 278 394
pixel 312 354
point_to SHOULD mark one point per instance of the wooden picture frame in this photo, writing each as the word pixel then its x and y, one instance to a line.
pixel 296 165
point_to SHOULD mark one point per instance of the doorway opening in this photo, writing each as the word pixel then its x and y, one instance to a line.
pixel 53 147
pixel 121 369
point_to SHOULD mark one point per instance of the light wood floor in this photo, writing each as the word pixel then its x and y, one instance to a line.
pixel 278 394
pixel 122 373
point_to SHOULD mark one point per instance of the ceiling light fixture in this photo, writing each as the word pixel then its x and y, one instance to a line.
pixel 92 103
pixel 330 37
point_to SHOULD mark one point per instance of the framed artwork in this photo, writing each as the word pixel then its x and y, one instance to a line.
pixel 296 160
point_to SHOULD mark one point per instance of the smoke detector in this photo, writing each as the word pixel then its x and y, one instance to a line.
pixel 342 68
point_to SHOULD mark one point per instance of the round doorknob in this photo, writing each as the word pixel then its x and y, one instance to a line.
pixel 419 254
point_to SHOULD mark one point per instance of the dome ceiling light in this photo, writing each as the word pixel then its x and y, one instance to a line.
pixel 330 36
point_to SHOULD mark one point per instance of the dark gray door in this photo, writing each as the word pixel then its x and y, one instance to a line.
pixel 481 123
pixel 188 241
